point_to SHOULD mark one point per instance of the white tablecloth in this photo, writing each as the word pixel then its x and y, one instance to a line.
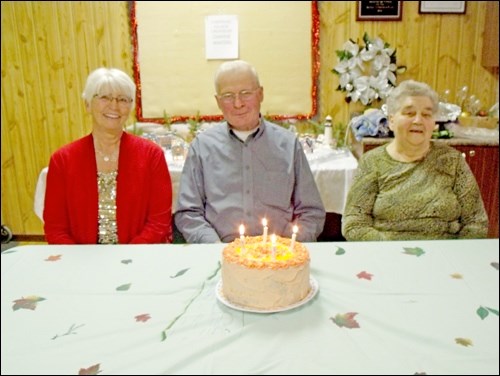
pixel 333 171
pixel 399 308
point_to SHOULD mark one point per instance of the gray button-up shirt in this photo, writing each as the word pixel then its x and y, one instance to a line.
pixel 226 182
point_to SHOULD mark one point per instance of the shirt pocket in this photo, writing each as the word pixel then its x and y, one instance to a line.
pixel 275 188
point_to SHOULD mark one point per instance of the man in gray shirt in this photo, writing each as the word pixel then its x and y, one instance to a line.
pixel 246 169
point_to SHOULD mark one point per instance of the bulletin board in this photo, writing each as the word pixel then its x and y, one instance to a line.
pixel 174 77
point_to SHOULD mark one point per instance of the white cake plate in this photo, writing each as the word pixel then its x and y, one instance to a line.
pixel 312 293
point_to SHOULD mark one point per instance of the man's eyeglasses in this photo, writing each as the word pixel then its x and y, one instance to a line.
pixel 244 95
pixel 107 99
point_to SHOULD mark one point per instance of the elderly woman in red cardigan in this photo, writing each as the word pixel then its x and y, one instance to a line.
pixel 108 187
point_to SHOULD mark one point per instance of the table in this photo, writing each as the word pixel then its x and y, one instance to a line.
pixel 333 172
pixel 382 308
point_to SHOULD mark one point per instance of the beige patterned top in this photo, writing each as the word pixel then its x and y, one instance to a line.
pixel 433 198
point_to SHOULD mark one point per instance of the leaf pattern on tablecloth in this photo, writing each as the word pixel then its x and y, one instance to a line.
pixel 483 312
pixel 92 370
pixel 364 275
pixel 142 317
pixel 494 264
pixel 126 262
pixel 414 251
pixel 340 251
pixel 179 273
pixel 464 341
pixel 53 258
pixel 71 330
pixel 124 287
pixel 456 276
pixel 30 302
pixel 345 320
pixel 492 310
pixel 172 323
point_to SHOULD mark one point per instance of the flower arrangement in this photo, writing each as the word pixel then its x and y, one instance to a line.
pixel 367 72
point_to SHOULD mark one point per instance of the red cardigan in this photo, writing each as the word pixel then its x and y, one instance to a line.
pixel 143 197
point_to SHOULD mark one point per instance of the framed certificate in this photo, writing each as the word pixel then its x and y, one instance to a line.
pixel 379 10
pixel 457 7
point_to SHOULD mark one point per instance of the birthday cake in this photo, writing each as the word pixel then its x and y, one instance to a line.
pixel 259 275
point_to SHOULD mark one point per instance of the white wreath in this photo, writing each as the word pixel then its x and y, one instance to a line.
pixel 376 58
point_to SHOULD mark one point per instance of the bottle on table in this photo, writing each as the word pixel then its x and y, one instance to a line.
pixel 328 138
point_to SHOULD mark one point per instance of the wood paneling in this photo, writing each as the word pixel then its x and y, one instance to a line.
pixel 443 50
pixel 490 47
pixel 48 49
pixel 483 161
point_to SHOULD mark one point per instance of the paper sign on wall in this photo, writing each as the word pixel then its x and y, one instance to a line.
pixel 221 37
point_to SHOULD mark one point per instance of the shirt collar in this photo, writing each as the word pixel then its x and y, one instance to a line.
pixel 257 132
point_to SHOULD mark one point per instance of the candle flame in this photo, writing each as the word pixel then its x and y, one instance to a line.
pixel 295 229
pixel 264 222
pixel 242 229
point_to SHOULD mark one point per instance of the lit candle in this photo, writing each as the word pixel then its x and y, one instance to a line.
pixel 242 237
pixel 273 244
pixel 294 236
pixel 264 236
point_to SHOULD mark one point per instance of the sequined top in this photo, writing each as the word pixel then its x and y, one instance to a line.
pixel 106 183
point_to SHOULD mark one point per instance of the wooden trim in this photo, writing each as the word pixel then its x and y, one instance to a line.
pixel 490 39
pixel 28 238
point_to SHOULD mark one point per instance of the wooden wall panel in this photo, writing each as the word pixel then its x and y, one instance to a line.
pixel 443 50
pixel 491 36
pixel 48 49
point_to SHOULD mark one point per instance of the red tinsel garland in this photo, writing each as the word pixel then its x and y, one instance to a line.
pixel 210 118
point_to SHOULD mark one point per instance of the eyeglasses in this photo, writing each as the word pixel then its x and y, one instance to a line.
pixel 244 95
pixel 108 99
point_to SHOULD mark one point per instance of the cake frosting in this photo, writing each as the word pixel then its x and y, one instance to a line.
pixel 254 277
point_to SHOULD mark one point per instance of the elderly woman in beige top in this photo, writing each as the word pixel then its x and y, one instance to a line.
pixel 413 188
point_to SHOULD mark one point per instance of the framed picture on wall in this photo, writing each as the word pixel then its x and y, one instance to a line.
pixel 379 10
pixel 456 7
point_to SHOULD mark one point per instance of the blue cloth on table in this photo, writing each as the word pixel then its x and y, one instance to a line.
pixel 374 123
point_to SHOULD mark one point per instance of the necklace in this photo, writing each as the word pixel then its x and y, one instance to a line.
pixel 108 158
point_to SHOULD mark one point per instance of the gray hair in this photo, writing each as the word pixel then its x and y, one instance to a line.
pixel 107 80
pixel 234 66
pixel 410 88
